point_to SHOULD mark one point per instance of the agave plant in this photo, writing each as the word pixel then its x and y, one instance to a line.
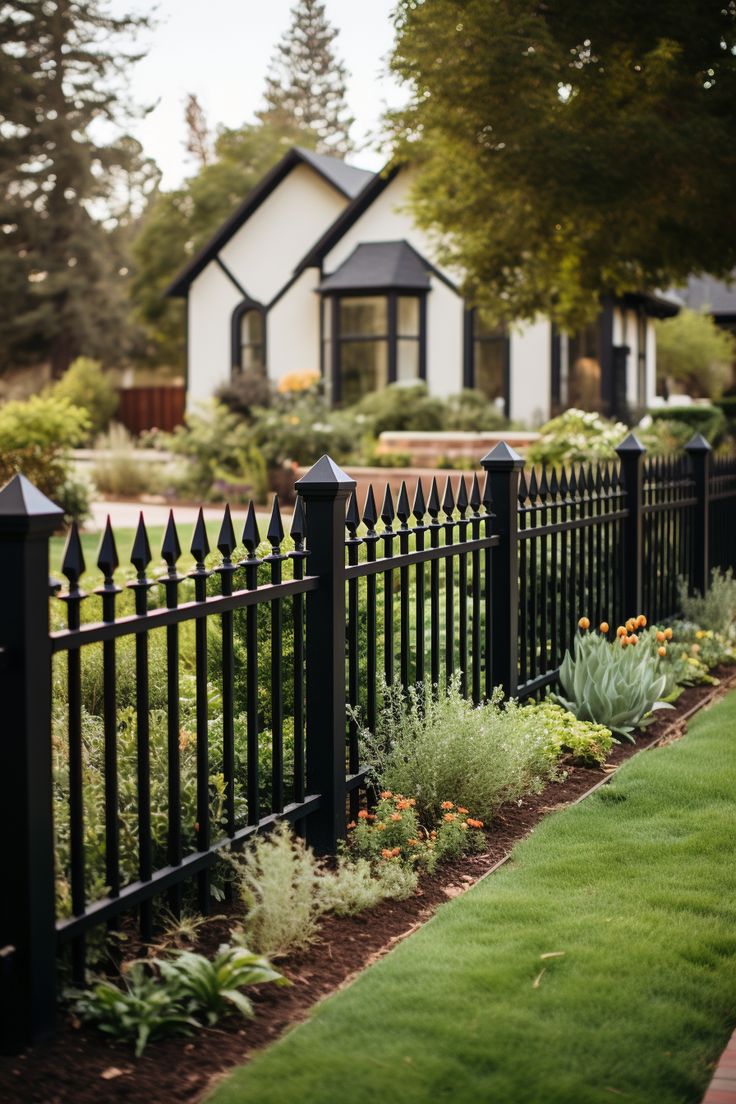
pixel 613 685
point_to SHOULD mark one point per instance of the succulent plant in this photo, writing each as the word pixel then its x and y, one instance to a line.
pixel 613 685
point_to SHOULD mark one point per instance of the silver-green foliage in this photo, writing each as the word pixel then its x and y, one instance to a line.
pixel 613 685
pixel 437 746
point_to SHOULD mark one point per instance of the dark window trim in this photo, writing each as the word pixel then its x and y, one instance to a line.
pixel 555 353
pixel 469 340
pixel 236 318
pixel 391 337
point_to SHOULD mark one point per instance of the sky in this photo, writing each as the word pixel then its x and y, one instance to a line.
pixel 220 50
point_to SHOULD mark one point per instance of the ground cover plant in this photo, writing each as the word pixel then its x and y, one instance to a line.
pixel 600 963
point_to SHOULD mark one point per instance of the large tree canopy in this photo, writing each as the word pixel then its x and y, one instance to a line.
pixel 571 148
pixel 66 197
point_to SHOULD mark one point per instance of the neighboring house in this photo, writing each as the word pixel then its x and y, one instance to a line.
pixel 322 268
pixel 706 293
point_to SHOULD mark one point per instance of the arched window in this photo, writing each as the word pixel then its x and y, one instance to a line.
pixel 249 338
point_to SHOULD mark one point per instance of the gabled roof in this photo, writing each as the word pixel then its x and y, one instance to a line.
pixel 374 265
pixel 346 179
pixel 705 292
pixel 347 218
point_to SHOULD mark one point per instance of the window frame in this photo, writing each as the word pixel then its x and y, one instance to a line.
pixel 236 345
pixel 470 372
pixel 331 363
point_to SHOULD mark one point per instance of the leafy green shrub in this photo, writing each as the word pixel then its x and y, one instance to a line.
pixel 86 386
pixel 300 426
pixel 716 610
pixel 245 393
pixel 708 420
pixel 693 350
pixel 171 996
pixel 357 885
pixel 123 472
pixel 427 746
pixel 576 437
pixel 139 1011
pixel 584 741
pixel 34 436
pixel 663 436
pixel 218 447
pixel 705 648
pixel 210 988
pixel 471 412
pixel 613 684
pixel 399 406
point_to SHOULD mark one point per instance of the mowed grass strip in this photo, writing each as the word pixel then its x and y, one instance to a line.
pixel 635 889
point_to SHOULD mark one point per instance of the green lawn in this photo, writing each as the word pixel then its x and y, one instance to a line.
pixel 637 885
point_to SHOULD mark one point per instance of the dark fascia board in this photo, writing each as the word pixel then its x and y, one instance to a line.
pixel 348 217
pixel 180 286
pixel 655 305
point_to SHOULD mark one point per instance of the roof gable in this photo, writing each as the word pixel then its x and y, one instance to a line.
pixel 345 179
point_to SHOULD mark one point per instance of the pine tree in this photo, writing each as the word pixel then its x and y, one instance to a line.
pixel 62 275
pixel 306 83
pixel 199 141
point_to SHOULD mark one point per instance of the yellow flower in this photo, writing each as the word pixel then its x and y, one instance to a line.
pixel 699 634
pixel 297 381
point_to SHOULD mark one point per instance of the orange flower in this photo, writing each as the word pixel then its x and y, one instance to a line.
pixel 604 627
pixel 641 621
pixel 668 634
pixel 386 853
pixel 363 814
pixel 475 823
pixel 396 816
pixel 385 795
pixel 633 639
pixel 395 851
pixel 584 623
pixel 371 816
pixel 380 826
pixel 405 803
pixel 621 630
pixel 662 651
pixel 660 636
pixel 449 817
pixel 447 805
pixel 631 624
pixel 413 842
pixel 352 824
pixel 433 835
pixel 460 809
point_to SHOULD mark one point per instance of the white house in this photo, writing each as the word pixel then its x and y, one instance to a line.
pixel 322 268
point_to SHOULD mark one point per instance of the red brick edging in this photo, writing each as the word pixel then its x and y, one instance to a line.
pixel 722 1089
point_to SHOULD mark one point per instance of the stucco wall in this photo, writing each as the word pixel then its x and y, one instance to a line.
pixel 212 299
pixel 293 328
pixel 530 372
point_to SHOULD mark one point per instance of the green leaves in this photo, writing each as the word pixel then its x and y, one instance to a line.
pixel 613 685
pixel 164 997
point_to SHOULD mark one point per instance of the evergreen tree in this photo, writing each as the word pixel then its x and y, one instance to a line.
pixel 62 265
pixel 199 142
pixel 306 84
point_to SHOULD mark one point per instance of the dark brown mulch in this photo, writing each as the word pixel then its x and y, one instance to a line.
pixel 79 1067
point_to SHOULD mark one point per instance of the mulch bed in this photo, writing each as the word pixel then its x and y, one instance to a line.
pixel 80 1067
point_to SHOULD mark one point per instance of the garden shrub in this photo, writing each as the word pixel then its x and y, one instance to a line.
pixel 576 437
pixel 245 393
pixel 472 412
pixel 696 418
pixel 427 746
pixel 35 435
pixel 123 472
pixel 400 406
pixel 86 386
pixel 583 741
pixel 300 426
pixel 716 610
pixel 217 447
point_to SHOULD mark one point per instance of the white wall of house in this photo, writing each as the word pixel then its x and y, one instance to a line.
pixel 530 369
pixel 262 256
pixel 292 328
pixel 444 339
pixel 212 299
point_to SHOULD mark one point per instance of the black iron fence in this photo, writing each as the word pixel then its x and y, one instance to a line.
pixel 486 585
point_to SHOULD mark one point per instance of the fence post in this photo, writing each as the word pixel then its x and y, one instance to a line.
pixel 700 452
pixel 503 466
pixel 631 454
pixel 324 491
pixel 27 908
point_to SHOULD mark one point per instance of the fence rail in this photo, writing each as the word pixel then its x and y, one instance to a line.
pixel 482 580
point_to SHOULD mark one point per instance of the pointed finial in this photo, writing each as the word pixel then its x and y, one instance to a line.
pixel 275 533
pixel 370 513
pixel 402 506
pixel 226 536
pixel 433 506
pixel 554 485
pixel 448 499
pixel 200 546
pixel 72 564
pixel 140 555
pixel 487 496
pixel 107 554
pixel 352 517
pixel 533 488
pixel 298 527
pixel 462 496
pixel 475 499
pixel 251 536
pixel 419 508
pixel 544 484
pixel 387 510
pixel 523 493
pixel 171 549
